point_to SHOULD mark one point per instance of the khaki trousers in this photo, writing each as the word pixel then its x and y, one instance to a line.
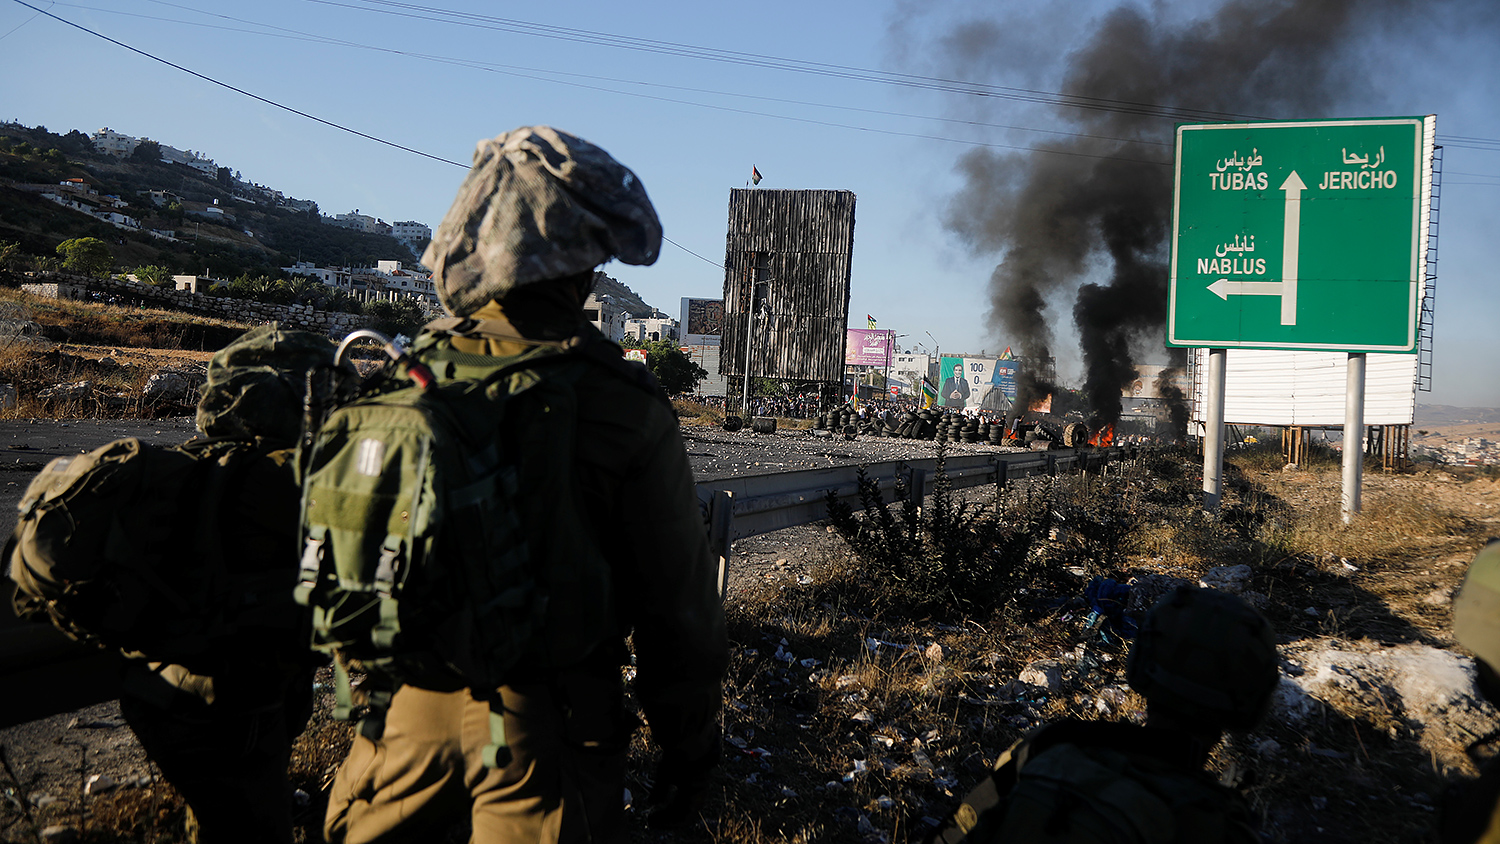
pixel 565 782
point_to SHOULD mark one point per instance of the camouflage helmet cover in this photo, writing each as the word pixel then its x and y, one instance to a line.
pixel 538 204
pixel 256 383
pixel 1207 655
pixel 1476 609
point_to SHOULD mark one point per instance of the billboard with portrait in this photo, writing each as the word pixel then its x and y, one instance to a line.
pixel 702 319
pixel 866 347
pixel 976 383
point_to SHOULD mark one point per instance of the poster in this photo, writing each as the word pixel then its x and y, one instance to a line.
pixel 976 384
pixel 864 347
pixel 704 316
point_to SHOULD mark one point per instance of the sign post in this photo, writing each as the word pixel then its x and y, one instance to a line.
pixel 1299 235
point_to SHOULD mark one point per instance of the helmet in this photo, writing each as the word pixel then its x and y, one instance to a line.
pixel 256 384
pixel 537 205
pixel 1476 609
pixel 1206 655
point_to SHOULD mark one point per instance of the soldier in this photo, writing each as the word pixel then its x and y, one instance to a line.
pixel 197 592
pixel 538 212
pixel 1206 662
pixel 1472 809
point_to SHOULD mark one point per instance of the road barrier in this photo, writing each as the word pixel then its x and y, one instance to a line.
pixel 749 505
pixel 59 675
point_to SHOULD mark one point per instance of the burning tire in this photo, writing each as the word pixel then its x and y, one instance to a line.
pixel 1075 435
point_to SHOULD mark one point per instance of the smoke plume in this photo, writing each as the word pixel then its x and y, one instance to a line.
pixel 1097 205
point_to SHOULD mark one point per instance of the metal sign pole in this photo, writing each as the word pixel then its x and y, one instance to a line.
pixel 1354 435
pixel 1213 435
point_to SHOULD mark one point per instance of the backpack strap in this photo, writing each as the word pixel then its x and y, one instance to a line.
pixel 594 348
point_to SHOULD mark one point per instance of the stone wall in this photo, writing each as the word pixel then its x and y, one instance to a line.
pixel 122 292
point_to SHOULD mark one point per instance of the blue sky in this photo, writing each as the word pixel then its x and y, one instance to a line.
pixel 692 128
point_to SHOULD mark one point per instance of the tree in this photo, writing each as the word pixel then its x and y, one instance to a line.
pixel 147 150
pixel 675 370
pixel 87 255
pixel 397 316
pixel 153 275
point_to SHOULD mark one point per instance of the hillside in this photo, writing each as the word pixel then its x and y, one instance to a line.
pixel 255 237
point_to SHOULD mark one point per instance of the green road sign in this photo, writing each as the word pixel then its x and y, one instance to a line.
pixel 1305 235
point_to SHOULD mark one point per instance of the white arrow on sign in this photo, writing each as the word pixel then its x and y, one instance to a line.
pixel 1291 234
pixel 1287 287
pixel 1224 288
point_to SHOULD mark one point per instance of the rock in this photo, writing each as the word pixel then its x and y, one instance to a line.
pixel 67 392
pixel 1290 467
pixel 1416 688
pixel 1146 590
pixel 173 385
pixel 1045 673
pixel 59 834
pixel 1439 597
pixel 98 784
pixel 1231 579
pixel 1267 747
pixel 8 397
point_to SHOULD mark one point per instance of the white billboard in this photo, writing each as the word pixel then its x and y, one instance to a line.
pixel 1263 387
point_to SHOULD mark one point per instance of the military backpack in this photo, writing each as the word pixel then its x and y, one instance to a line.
pixel 424 561
pixel 166 552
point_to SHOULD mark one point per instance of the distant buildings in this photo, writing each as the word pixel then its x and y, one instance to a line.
pixel 385 280
pixel 1469 451
pixel 358 222
pixel 659 327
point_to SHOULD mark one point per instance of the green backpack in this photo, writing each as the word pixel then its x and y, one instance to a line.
pixel 1098 783
pixel 160 551
pixel 421 557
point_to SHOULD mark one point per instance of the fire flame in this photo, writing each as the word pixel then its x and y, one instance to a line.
pixel 1104 436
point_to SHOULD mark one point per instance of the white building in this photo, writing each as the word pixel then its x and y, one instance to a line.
pixel 110 142
pixel 411 231
pixel 912 366
pixel 173 155
pixel 607 315
pixel 359 222
pixel 651 328
pixel 331 276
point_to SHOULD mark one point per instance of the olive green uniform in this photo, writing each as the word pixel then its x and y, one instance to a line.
pixel 1164 763
pixel 566 726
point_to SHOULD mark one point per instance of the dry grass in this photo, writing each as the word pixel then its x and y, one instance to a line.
pixel 116 349
pixel 696 413
pixel 949 693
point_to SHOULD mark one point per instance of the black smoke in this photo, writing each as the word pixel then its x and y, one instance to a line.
pixel 1097 205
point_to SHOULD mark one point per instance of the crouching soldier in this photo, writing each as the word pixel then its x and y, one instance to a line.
pixel 1206 662
pixel 185 559
pixel 1471 811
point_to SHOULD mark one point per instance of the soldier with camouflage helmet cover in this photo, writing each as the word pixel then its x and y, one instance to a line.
pixel 1206 662
pixel 1471 810
pixel 513 261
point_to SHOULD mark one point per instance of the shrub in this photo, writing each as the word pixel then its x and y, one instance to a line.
pixel 949 560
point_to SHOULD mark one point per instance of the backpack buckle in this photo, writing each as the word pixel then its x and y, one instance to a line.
pixel 308 571
pixel 385 570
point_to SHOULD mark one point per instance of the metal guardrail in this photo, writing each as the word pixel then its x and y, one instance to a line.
pixel 734 508
pixel 58 675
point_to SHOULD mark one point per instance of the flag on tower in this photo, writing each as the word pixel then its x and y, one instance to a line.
pixel 929 393
pixel 871 320
pixel 754 175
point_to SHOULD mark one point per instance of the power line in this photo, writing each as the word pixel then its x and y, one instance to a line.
pixel 691 252
pixel 965 87
pixel 519 71
pixel 257 97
